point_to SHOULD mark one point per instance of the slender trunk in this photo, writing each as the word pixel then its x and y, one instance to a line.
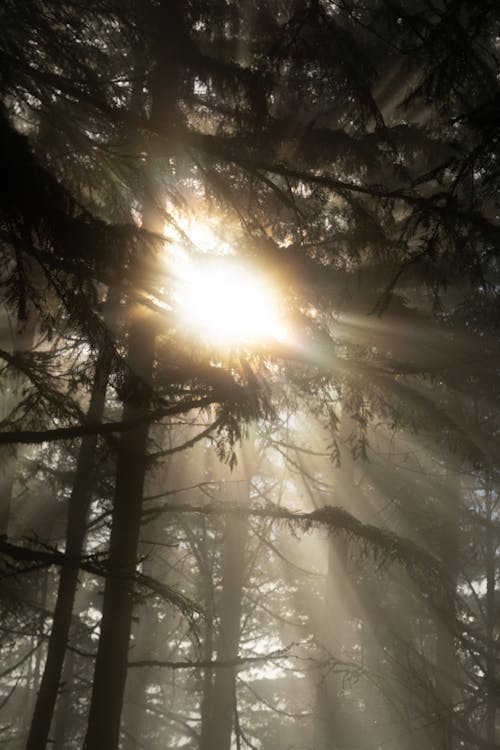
pixel 61 718
pixel 208 643
pixel 208 682
pixel 111 663
pixel 7 475
pixel 218 725
pixel 491 656
pixel 41 623
pixel 331 724
pixel 144 637
pixel 445 646
pixel 78 508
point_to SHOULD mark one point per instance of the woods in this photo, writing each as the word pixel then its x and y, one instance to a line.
pixel 249 455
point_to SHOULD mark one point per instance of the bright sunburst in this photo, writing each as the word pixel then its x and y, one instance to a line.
pixel 218 300
pixel 227 305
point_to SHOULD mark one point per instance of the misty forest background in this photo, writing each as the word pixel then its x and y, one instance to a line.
pixel 282 546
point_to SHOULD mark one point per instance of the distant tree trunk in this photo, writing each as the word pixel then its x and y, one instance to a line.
pixel 219 707
pixel 63 707
pixel 335 633
pixel 491 617
pixel 37 656
pixel 145 637
pixel 446 656
pixel 330 727
pixel 209 635
pixel 78 508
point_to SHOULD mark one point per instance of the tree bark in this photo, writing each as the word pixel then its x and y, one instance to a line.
pixel 61 725
pixel 445 647
pixel 491 651
pixel 220 706
pixel 208 642
pixel 103 732
pixel 332 723
pixel 111 663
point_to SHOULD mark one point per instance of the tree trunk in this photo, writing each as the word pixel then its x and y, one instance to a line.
pixel 78 508
pixel 208 641
pixel 63 708
pixel 445 646
pixel 491 651
pixel 103 731
pixel 111 662
pixel 332 724
pixel 220 706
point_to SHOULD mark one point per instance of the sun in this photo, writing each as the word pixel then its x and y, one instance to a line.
pixel 228 305
pixel 219 300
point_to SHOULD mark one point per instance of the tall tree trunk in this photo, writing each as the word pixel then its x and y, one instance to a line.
pixel 491 651
pixel 220 707
pixel 445 646
pixel 145 636
pixel 208 681
pixel 208 641
pixel 335 633
pixel 78 508
pixel 60 725
pixel 111 662
pixel 331 723
pixel 103 731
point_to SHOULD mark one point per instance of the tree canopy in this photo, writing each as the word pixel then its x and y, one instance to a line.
pixel 249 354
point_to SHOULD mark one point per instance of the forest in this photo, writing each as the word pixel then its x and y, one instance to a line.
pixel 249 367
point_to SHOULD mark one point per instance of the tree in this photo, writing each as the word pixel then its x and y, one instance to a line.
pixel 349 151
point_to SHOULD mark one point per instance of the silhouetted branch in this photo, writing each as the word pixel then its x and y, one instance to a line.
pixel 31 437
pixel 213 664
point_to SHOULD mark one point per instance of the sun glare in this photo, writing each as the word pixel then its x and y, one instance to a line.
pixel 220 301
pixel 226 305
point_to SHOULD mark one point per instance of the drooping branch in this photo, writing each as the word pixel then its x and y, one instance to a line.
pixel 240 661
pixel 385 545
pixel 94 564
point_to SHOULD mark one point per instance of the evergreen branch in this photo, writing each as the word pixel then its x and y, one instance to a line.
pixel 213 664
pixel 188 443
pixel 96 565
pixel 386 546
pixel 33 437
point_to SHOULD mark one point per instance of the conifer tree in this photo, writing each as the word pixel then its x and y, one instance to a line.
pixel 351 152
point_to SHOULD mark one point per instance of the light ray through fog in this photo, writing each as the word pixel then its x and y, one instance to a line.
pixel 311 355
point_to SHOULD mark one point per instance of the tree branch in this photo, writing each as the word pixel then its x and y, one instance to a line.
pixel 32 437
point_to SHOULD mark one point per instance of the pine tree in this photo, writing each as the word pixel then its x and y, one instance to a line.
pixel 350 150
